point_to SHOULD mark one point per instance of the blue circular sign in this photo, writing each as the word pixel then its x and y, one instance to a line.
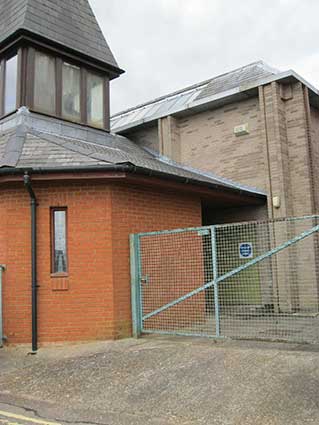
pixel 246 250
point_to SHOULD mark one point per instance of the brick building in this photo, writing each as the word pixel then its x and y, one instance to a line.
pixel 71 192
pixel 255 125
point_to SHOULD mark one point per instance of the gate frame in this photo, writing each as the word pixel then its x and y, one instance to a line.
pixel 136 296
pixel 2 269
pixel 136 271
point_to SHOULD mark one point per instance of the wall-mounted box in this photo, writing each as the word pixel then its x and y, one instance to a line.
pixel 241 130
pixel 276 201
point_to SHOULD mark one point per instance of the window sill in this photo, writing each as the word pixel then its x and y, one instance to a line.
pixel 59 282
pixel 59 275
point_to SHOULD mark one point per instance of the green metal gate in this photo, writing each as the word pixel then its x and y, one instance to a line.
pixel 253 280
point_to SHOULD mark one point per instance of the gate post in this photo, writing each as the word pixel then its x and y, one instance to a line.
pixel 215 277
pixel 136 300
pixel 2 268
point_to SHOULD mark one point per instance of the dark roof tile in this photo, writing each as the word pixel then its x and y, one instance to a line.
pixel 34 145
pixel 69 23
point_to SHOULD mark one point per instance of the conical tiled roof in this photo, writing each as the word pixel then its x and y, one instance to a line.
pixel 70 23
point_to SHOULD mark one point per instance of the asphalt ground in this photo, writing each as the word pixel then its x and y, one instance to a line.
pixel 161 381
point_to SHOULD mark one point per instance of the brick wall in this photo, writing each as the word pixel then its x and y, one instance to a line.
pixel 136 210
pixel 78 306
pixel 93 301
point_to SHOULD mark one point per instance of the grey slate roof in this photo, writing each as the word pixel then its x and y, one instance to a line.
pixel 236 78
pixel 30 141
pixel 192 96
pixel 70 23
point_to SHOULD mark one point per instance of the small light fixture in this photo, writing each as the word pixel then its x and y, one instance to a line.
pixel 276 201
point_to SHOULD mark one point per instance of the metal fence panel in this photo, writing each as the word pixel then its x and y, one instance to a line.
pixel 248 280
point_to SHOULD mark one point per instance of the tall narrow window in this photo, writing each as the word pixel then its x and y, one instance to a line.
pixel 10 89
pixel 44 83
pixel 59 240
pixel 95 108
pixel 71 102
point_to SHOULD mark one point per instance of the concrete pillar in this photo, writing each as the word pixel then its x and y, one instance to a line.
pixel 286 135
pixel 169 138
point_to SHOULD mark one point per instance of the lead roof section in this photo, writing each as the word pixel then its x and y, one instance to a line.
pixel 199 93
pixel 69 23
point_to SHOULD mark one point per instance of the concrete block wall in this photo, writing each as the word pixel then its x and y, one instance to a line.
pixel 146 137
pixel 280 154
pixel 208 142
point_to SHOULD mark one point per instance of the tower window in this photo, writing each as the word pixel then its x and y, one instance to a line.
pixel 47 83
pixel 71 92
pixel 10 87
pixel 95 106
pixel 44 83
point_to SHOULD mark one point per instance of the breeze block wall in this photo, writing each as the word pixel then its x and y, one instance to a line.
pixel 93 301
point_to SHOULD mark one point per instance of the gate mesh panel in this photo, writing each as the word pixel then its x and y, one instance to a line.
pixel 172 266
pixel 275 298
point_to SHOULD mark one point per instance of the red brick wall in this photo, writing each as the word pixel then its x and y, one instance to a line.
pixel 174 265
pixel 83 310
pixel 133 211
pixel 93 301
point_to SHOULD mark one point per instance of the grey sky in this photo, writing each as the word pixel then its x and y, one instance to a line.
pixel 165 45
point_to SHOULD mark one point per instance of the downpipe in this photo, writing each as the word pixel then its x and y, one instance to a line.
pixel 34 279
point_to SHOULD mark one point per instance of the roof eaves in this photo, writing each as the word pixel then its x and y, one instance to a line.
pixel 131 168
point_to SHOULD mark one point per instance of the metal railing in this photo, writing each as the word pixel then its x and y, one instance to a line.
pixel 255 280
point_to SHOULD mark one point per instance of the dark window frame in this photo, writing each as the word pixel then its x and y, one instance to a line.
pixel 32 60
pixel 84 71
pixel 26 83
pixel 60 98
pixel 53 210
pixel 85 95
pixel 19 89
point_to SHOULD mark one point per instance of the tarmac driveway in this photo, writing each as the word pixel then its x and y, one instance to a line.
pixel 164 381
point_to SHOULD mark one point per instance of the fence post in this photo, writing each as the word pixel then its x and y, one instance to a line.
pixel 135 285
pixel 215 277
pixel 2 268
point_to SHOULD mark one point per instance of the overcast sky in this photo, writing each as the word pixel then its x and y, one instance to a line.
pixel 166 45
